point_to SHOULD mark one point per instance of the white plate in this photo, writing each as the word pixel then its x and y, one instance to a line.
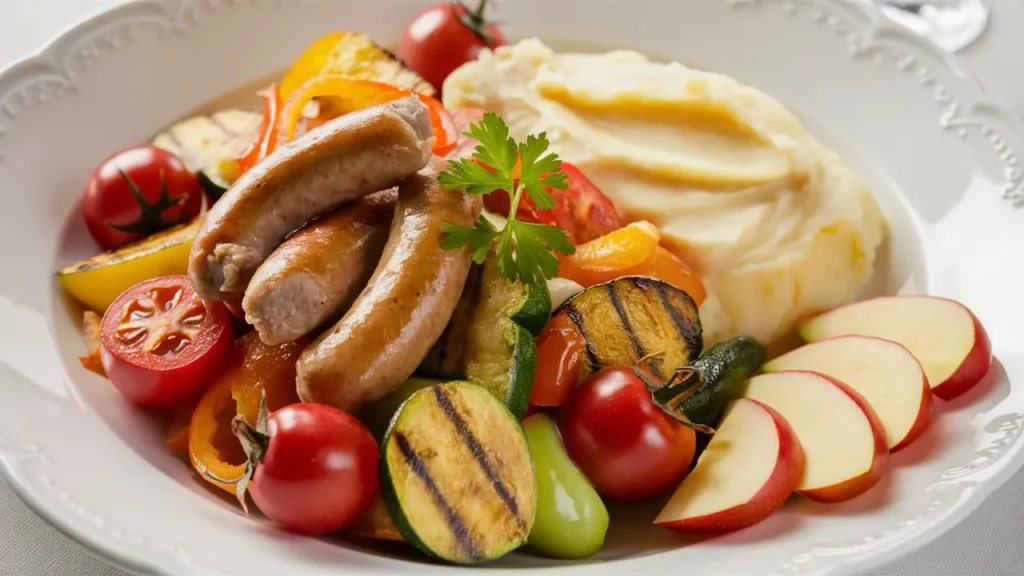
pixel 944 161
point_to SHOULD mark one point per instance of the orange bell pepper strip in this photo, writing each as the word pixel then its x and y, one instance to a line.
pixel 266 136
pixel 630 251
pixel 618 250
pixel 349 94
pixel 214 451
pixel 311 63
pixel 91 333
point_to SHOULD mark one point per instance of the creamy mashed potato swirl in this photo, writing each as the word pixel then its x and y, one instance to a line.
pixel 775 224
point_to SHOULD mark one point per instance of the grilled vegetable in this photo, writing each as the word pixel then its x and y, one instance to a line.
pixel 489 340
pixel 205 140
pixel 724 369
pixel 456 474
pixel 353 55
pixel 635 317
pixel 96 282
pixel 501 354
pixel 377 416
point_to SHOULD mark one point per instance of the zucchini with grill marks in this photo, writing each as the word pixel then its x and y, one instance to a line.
pixel 636 317
pixel 203 142
pixel 457 476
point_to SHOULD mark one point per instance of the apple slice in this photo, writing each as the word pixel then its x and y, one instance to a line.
pixel 885 373
pixel 843 440
pixel 944 335
pixel 752 465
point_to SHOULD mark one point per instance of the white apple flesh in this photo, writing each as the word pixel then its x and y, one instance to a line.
pixel 842 438
pixel 752 465
pixel 947 339
pixel 885 373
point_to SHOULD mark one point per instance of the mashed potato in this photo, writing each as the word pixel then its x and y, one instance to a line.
pixel 774 223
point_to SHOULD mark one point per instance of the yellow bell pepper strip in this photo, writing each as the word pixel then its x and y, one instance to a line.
pixel 213 449
pixel 310 63
pixel 98 281
pixel 348 94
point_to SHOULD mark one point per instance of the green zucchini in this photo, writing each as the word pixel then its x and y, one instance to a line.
pixel 203 141
pixel 634 318
pixel 490 339
pixel 501 353
pixel 701 390
pixel 212 184
pixel 725 369
pixel 377 416
pixel 457 476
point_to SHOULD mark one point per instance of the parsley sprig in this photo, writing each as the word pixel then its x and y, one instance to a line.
pixel 524 249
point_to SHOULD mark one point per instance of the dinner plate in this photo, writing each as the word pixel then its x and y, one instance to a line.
pixel 943 159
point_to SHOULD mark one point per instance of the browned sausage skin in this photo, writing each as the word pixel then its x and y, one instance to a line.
pixel 349 157
pixel 318 272
pixel 406 305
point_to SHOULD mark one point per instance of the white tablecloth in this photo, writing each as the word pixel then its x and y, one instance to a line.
pixel 990 542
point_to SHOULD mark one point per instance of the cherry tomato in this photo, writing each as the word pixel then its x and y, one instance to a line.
pixel 319 469
pixel 161 344
pixel 582 210
pixel 623 442
pixel 137 192
pixel 444 37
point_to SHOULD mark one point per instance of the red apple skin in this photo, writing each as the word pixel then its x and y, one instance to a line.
pixel 789 468
pixel 879 463
pixel 924 416
pixel 974 366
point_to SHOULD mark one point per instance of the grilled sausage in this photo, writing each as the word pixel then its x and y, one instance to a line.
pixel 347 158
pixel 388 330
pixel 318 272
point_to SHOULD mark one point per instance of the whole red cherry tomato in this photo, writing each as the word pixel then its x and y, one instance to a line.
pixel 316 470
pixel 160 344
pixel 444 37
pixel 137 192
pixel 623 442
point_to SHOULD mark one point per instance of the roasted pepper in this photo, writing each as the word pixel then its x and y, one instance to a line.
pixel 214 451
pixel 98 281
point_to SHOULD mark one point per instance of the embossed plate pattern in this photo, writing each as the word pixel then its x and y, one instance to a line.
pixel 942 157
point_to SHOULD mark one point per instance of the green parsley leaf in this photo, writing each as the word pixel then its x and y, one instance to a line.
pixel 524 249
pixel 479 237
pixel 473 178
pixel 539 171
pixel 496 148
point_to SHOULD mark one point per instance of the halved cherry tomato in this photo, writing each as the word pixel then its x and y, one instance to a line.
pixel 560 349
pixel 581 209
pixel 266 136
pixel 161 344
pixel 254 367
pixel 348 95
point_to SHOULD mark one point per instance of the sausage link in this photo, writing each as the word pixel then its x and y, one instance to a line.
pixel 316 274
pixel 349 157
pixel 387 332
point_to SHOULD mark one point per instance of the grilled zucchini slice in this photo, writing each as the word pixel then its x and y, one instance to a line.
pixel 457 476
pixel 203 141
pixel 635 317
pixel 490 339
